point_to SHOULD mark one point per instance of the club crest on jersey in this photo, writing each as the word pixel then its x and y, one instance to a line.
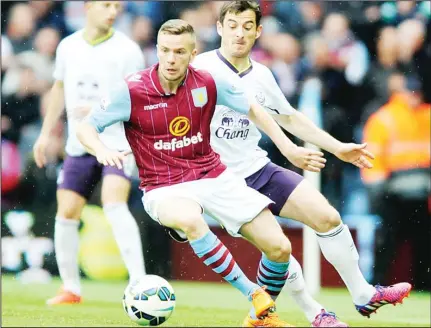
pixel 260 97
pixel 200 96
pixel 104 103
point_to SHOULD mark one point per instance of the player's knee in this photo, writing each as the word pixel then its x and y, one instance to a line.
pixel 68 211
pixel 280 252
pixel 328 220
pixel 194 227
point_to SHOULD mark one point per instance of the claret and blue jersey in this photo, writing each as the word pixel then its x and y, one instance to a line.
pixel 170 134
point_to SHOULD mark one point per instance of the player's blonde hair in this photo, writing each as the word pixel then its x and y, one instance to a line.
pixel 177 27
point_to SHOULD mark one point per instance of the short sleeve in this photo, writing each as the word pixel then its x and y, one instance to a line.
pixel 112 109
pixel 60 61
pixel 276 97
pixel 230 93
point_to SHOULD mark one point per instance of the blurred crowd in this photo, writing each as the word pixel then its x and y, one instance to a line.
pixel 364 53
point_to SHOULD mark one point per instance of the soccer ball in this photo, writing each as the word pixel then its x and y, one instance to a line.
pixel 149 301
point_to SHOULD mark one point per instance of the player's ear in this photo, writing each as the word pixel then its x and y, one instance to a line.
pixel 258 31
pixel 219 28
pixel 193 54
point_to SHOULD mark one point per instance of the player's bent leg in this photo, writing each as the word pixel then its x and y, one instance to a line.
pixel 181 210
pixel 266 234
pixel 337 245
pixel 66 243
pixel 307 205
pixel 274 271
pixel 115 194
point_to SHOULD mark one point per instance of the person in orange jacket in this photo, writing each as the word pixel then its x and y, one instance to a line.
pixel 399 182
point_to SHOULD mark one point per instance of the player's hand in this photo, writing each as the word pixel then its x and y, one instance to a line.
pixel 307 159
pixel 112 157
pixel 355 154
pixel 39 150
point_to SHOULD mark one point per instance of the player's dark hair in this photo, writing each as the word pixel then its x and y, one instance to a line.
pixel 176 27
pixel 238 7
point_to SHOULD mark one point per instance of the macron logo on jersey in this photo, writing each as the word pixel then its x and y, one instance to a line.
pixel 156 106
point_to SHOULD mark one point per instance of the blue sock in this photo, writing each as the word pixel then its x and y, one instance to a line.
pixel 273 275
pixel 215 255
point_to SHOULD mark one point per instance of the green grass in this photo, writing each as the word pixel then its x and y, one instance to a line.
pixel 198 304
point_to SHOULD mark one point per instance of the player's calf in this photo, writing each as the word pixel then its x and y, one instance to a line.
pixel 215 255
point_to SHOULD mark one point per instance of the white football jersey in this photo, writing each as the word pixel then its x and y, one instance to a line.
pixel 88 73
pixel 233 135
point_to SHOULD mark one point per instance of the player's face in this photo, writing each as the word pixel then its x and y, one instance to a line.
pixel 239 33
pixel 175 52
pixel 102 14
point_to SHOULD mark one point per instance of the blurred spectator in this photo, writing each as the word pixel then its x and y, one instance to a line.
pixel 46 42
pixel 28 78
pixel 399 183
pixel 286 51
pixel 20 27
pixel 152 10
pixel 143 35
pixel 415 53
pixel 204 22
pixel 6 53
pixel 383 71
pixel 299 18
pixel 48 13
pixel 394 13
pixel 348 65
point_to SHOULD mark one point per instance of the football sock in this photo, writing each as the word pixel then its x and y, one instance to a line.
pixel 66 243
pixel 128 238
pixel 339 249
pixel 273 275
pixel 296 287
pixel 215 255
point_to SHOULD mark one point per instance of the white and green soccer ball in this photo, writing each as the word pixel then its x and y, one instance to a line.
pixel 149 301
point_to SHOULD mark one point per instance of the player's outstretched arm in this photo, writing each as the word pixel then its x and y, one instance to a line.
pixel 306 159
pixel 53 113
pixel 232 95
pixel 302 127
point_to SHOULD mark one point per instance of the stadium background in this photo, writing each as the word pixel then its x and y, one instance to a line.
pixel 295 45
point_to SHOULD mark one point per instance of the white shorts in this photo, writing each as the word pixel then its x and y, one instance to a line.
pixel 226 198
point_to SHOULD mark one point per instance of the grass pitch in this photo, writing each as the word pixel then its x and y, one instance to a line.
pixel 198 305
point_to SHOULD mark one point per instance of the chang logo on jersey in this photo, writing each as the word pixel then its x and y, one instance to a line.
pixel 156 106
pixel 233 126
pixel 179 127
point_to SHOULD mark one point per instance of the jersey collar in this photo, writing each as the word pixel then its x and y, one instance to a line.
pixel 156 82
pixel 99 40
pixel 233 68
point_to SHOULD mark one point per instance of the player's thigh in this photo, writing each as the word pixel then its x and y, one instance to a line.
pixel 266 234
pixel 178 208
pixel 275 182
pixel 75 184
pixel 306 204
pixel 232 203
pixel 115 189
pixel 70 204
pixel 116 183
